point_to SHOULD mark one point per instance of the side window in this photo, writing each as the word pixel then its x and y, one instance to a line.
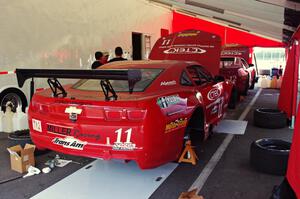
pixel 194 74
pixel 199 75
pixel 245 64
pixel 185 80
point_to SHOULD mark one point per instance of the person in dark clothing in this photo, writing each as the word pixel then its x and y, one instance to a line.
pixel 119 54
pixel 98 61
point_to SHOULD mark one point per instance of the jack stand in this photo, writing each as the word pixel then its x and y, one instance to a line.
pixel 189 152
pixel 190 194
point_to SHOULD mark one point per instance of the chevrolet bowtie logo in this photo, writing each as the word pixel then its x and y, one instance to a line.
pixel 73 112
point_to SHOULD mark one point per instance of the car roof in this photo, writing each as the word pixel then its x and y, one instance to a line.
pixel 165 64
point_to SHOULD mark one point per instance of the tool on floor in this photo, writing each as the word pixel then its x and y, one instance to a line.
pixel 188 155
pixel 58 161
pixel 11 179
pixel 32 171
pixel 46 170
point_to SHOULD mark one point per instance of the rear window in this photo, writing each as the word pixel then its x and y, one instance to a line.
pixel 148 75
pixel 228 63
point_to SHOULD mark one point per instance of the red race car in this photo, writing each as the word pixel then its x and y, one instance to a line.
pixel 246 54
pixel 236 70
pixel 131 110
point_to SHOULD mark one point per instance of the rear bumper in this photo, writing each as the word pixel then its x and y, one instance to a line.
pixel 91 150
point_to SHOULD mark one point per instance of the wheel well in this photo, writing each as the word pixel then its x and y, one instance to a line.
pixel 16 91
pixel 196 123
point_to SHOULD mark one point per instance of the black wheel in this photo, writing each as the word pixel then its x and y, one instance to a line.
pixel 195 128
pixel 245 92
pixel 22 138
pixel 269 118
pixel 15 96
pixel 234 98
pixel 252 83
pixel 270 155
pixel 19 138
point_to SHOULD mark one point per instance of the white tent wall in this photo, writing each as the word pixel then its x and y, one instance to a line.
pixel 57 33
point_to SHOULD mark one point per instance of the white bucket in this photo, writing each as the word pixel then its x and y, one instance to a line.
pixel 7 120
pixel 20 120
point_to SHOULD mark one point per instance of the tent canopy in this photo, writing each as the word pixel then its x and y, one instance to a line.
pixel 276 20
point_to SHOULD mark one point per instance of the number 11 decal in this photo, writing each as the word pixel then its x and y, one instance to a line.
pixel 166 42
pixel 119 135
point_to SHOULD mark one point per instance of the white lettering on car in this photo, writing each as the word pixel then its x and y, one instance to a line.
pixel 166 42
pixel 184 50
pixel 37 125
pixel 69 142
pixel 165 102
pixel 233 52
pixel 214 94
pixel 168 83
pixel 127 145
pixel 219 103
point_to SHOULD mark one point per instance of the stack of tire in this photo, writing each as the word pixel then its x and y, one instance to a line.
pixel 269 155
pixel 22 138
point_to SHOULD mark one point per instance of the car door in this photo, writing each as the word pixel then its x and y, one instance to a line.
pixel 212 93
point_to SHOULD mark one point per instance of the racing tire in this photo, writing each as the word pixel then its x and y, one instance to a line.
pixel 269 118
pixel 245 91
pixel 22 138
pixel 270 156
pixel 234 98
pixel 15 96
pixel 252 83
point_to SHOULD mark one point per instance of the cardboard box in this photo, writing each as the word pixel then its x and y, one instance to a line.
pixel 21 159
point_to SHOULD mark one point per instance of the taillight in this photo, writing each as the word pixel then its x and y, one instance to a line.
pixel 125 114
pixel 113 114
pixel 35 106
pixel 136 114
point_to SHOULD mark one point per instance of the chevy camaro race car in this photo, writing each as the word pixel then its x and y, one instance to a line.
pixel 246 54
pixel 131 110
pixel 239 73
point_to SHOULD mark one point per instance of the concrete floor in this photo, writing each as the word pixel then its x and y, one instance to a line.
pixel 232 178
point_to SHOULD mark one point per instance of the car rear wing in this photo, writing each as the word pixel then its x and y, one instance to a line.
pixel 131 75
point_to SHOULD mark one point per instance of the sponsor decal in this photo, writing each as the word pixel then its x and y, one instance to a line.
pixel 127 145
pixel 69 142
pixel 188 34
pixel 233 52
pixel 124 146
pixel 37 125
pixel 73 112
pixel 233 79
pixel 169 83
pixel 164 102
pixel 184 50
pixel 67 131
pixel 214 110
pixel 214 94
pixel 217 105
pixel 179 123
